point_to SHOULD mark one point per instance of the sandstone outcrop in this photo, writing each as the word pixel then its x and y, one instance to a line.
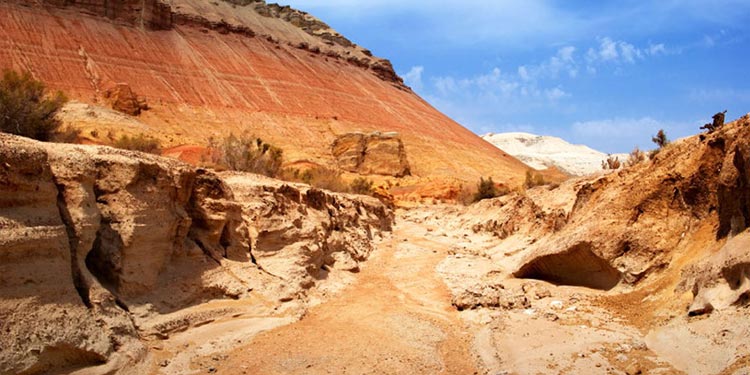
pixel 97 244
pixel 722 280
pixel 122 98
pixel 375 153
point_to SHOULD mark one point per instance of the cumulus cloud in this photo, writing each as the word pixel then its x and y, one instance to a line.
pixel 617 51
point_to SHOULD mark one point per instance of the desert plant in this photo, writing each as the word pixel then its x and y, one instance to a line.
pixel 247 154
pixel 611 163
pixel 533 180
pixel 139 142
pixel 361 185
pixel 67 134
pixel 486 189
pixel 636 156
pixel 26 108
pixel 466 195
pixel 328 179
pixel 660 139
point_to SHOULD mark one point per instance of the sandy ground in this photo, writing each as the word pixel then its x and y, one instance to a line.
pixel 396 317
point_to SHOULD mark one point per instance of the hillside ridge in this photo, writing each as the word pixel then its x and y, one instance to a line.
pixel 544 151
pixel 212 72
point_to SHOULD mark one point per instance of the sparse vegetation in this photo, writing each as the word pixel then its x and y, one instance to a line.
pixel 27 109
pixel 660 139
pixel 139 142
pixel 361 185
pixel 321 178
pixel 718 122
pixel 486 189
pixel 330 179
pixel 533 180
pixel 247 154
pixel 611 163
pixel 636 156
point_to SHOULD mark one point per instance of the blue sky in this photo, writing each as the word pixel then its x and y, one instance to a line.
pixel 607 74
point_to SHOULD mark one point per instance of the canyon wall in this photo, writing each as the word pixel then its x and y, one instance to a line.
pixel 210 68
pixel 99 245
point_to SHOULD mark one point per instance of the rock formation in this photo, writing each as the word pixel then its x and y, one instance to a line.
pixel 122 98
pixel 90 235
pixel 375 153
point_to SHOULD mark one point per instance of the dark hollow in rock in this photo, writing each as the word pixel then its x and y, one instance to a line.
pixel 577 266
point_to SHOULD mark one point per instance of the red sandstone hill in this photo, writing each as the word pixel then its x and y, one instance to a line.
pixel 210 68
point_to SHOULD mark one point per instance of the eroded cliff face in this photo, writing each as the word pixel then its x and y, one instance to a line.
pixel 98 247
pixel 210 68
pixel 658 222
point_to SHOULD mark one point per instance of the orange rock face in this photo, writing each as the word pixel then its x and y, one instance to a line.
pixel 251 73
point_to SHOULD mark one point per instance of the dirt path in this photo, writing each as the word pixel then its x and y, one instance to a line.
pixel 396 318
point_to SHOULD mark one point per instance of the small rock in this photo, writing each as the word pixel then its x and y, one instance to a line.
pixel 633 369
pixel 556 304
pixel 551 317
pixel 211 370
pixel 164 363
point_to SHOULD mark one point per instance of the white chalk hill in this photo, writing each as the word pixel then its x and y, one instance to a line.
pixel 541 152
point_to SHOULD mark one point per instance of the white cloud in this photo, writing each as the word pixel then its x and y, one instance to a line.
pixel 657 49
pixel 563 61
pixel 555 94
pixel 414 78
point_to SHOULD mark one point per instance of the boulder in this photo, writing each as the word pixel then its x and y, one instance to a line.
pixel 122 98
pixel 371 154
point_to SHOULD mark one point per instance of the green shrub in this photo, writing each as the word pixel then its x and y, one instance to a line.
pixel 247 154
pixel 26 108
pixel 139 142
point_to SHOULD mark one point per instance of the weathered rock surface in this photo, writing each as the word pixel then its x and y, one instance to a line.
pixel 638 220
pixel 97 243
pixel 375 153
pixel 208 68
pixel 722 280
pixel 122 98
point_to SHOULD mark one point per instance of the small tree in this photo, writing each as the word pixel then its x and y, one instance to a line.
pixel 26 108
pixel 660 139
pixel 486 189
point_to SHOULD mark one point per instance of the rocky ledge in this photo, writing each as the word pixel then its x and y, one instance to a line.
pixel 96 243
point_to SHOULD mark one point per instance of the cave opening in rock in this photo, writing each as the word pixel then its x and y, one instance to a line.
pixel 577 266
